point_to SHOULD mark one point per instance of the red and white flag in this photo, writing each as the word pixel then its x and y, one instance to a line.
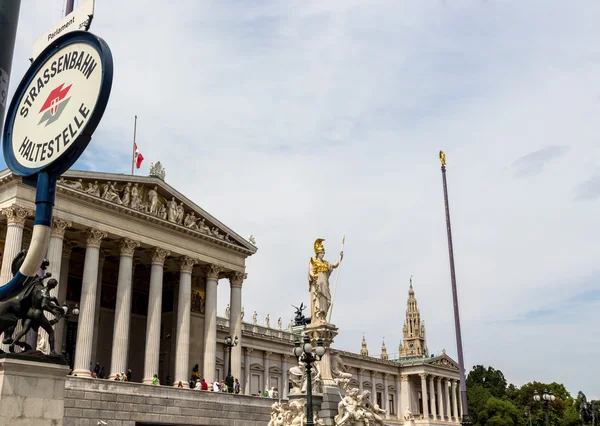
pixel 137 157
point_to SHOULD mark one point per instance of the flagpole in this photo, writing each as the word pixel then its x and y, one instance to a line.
pixel 337 276
pixel 133 150
pixel 465 421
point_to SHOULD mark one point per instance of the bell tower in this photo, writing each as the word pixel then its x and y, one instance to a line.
pixel 413 333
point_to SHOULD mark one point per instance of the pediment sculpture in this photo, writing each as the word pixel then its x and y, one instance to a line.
pixel 444 362
pixel 149 201
pixel 157 170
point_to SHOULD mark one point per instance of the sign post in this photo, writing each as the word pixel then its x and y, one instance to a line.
pixel 9 19
pixel 50 122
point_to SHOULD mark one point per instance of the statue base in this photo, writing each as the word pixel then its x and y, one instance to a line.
pixel 32 389
pixel 327 333
pixel 332 395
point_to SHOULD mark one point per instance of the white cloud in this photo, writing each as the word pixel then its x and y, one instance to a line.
pixel 298 120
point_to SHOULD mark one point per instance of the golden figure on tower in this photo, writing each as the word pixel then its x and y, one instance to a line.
pixel 319 271
pixel 443 158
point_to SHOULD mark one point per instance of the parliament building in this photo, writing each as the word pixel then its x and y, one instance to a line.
pixel 142 263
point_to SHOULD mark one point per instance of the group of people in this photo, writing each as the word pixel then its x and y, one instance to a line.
pixel 218 386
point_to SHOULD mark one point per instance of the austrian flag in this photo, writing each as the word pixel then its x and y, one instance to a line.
pixel 137 156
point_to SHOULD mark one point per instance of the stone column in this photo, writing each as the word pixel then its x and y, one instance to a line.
pixel 405 396
pixel 120 345
pixel 398 390
pixel 440 398
pixel 184 300
pixel 424 398
pixel 15 216
pixel 235 321
pixel 267 366
pixel 101 259
pixel 247 371
pixel 154 314
pixel 447 397
pixel 360 379
pixel 454 402
pixel 432 397
pixel 54 257
pixel 460 407
pixel 284 376
pixel 210 322
pixel 63 281
pixel 85 330
pixel 385 401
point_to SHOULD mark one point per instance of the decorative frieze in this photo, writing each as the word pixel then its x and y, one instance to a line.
pixel 128 246
pixel 16 215
pixel 213 272
pixel 186 264
pixel 237 279
pixel 59 226
pixel 159 255
pixel 148 201
pixel 94 237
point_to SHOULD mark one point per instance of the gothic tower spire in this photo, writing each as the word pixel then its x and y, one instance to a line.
pixel 413 331
pixel 384 354
pixel 363 349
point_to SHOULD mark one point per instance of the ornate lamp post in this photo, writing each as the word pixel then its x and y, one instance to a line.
pixel 305 354
pixel 230 343
pixel 68 315
pixel 546 398
pixel 528 415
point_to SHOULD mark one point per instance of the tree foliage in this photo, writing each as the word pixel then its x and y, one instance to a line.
pixel 494 403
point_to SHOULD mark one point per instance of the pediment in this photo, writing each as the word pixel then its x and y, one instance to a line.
pixel 154 200
pixel 443 361
pixel 257 367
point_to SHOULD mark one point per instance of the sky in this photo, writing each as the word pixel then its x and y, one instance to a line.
pixel 296 120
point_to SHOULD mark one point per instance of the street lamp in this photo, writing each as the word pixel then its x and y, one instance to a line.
pixel 230 343
pixel 304 352
pixel 528 415
pixel 546 398
pixel 67 316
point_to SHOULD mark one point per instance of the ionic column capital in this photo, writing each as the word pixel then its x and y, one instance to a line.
pixel 94 237
pixel 249 351
pixel 159 255
pixel 68 246
pixel 267 354
pixel 213 271
pixel 454 383
pixel 16 215
pixel 423 376
pixel 59 226
pixel 404 377
pixel 128 247
pixel 284 357
pixel 186 264
pixel 361 370
pixel 237 279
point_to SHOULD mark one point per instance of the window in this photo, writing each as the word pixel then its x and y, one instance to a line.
pixel 391 405
pixel 379 400
pixel 255 384
pixel 274 383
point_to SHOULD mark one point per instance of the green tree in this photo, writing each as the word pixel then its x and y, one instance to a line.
pixel 477 397
pixel 498 412
pixel 490 378
pixel 571 417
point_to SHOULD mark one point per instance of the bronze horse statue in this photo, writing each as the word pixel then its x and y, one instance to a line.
pixel 28 306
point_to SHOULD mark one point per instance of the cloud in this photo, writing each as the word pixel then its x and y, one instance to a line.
pixel 588 190
pixel 298 120
pixel 534 162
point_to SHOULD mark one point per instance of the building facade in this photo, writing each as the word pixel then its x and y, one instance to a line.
pixel 143 263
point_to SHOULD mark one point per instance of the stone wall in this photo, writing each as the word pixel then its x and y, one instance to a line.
pixel 123 404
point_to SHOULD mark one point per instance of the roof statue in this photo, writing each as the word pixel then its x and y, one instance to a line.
pixel 157 170
pixel 252 239
pixel 318 282
pixel 443 158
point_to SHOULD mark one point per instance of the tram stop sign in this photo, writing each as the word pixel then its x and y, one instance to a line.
pixel 58 105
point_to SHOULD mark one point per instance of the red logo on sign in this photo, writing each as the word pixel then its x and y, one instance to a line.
pixel 55 97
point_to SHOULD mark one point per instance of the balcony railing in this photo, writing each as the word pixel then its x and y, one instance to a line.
pixel 259 330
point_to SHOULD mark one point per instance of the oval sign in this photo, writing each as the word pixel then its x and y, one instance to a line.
pixel 58 105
